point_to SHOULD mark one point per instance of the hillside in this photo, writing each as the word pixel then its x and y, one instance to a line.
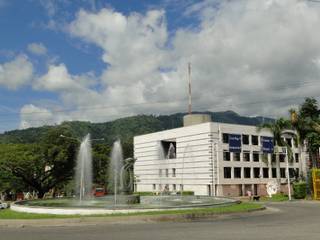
pixel 124 128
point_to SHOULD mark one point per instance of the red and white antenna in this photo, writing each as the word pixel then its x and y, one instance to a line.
pixel 190 93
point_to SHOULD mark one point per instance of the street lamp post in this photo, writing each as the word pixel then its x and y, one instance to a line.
pixel 288 173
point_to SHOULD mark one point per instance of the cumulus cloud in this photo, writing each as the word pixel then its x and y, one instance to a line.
pixel 32 116
pixel 16 73
pixel 37 48
pixel 254 57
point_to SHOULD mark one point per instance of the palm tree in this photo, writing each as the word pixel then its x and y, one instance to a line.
pixel 277 128
pixel 306 122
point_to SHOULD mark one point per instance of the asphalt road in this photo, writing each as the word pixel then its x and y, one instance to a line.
pixel 295 220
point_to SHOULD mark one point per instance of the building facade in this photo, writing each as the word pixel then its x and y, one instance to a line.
pixel 214 159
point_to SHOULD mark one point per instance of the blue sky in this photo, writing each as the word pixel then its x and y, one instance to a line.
pixel 97 60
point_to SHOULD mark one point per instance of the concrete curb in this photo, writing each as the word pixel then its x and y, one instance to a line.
pixel 93 221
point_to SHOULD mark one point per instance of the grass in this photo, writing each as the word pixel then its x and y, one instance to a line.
pixel 237 208
pixel 276 198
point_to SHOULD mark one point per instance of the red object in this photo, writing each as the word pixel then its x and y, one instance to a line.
pixel 20 196
pixel 99 192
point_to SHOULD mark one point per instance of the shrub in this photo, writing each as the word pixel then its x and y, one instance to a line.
pixel 143 193
pixel 299 189
pixel 186 193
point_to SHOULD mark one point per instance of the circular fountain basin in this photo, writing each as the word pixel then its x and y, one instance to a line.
pixel 125 204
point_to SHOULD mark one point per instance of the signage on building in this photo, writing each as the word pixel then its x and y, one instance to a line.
pixel 234 142
pixel 267 144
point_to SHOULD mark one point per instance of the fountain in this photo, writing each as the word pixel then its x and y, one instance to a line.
pixel 115 168
pixel 117 203
pixel 84 170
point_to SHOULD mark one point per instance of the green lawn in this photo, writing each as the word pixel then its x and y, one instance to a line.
pixel 242 207
pixel 276 198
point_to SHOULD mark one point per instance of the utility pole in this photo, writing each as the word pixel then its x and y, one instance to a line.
pixel 190 93
pixel 288 174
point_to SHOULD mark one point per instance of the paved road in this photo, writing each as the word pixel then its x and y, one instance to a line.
pixel 296 220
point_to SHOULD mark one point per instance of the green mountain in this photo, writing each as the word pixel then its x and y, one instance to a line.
pixel 124 128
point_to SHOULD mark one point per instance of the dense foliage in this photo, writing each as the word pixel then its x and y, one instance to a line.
pixel 299 190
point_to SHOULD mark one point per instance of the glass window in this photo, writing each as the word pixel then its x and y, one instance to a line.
pixel 225 137
pixel 246 156
pixel 226 156
pixel 247 172
pixel 256 156
pixel 254 140
pixel 289 142
pixel 256 172
pixel 236 156
pixel 173 172
pixel 273 158
pixel 167 172
pixel 227 172
pixel 181 187
pixel 296 156
pixel 282 157
pixel 174 187
pixel 265 172
pixel 237 172
pixel 291 173
pixel 245 139
pixel 153 186
pixel 282 172
pixel 274 172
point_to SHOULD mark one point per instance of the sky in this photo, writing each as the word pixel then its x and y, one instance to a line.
pixel 99 60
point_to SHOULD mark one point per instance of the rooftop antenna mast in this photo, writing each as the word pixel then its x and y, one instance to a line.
pixel 189 79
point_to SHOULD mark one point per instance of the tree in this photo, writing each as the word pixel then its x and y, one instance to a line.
pixel 100 155
pixel 41 166
pixel 307 124
pixel 277 129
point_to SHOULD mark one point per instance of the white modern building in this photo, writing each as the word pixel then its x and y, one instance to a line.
pixel 211 158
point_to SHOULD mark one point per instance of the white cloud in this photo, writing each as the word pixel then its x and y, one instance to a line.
pixel 32 116
pixel 37 48
pixel 254 57
pixel 16 73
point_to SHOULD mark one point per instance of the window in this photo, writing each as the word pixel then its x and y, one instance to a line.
pixel 256 172
pixel 225 137
pixel 237 172
pixel 297 172
pixel 245 139
pixel 282 157
pixel 289 142
pixel 173 172
pixel 291 173
pixel 169 149
pixel 256 156
pixel 282 172
pixel 166 187
pixel 296 157
pixel 174 187
pixel 254 140
pixel 247 172
pixel 153 187
pixel 167 172
pixel 227 172
pixel 160 172
pixel 181 187
pixel 226 156
pixel 273 158
pixel 274 172
pixel 236 156
pixel 265 172
pixel 246 156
